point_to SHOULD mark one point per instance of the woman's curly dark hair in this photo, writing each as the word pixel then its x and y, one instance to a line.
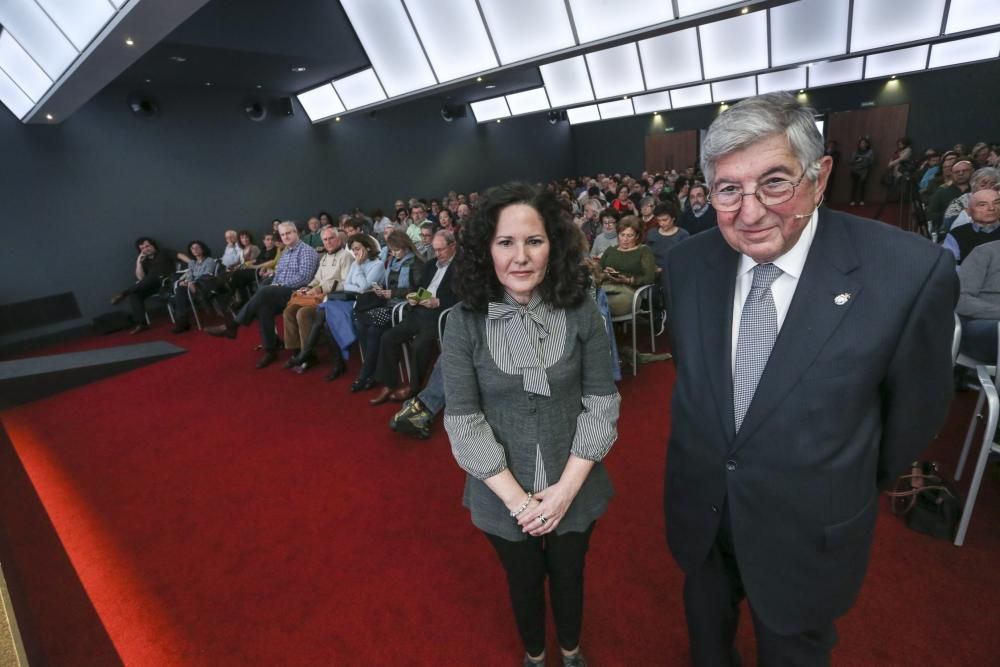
pixel 368 242
pixel 204 248
pixel 565 283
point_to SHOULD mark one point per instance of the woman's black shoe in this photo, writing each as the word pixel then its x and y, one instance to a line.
pixel 339 368
pixel 362 385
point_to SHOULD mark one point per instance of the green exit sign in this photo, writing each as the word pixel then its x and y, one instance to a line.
pixel 869 103
pixel 668 129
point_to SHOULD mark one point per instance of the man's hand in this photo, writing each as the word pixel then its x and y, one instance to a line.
pixel 431 303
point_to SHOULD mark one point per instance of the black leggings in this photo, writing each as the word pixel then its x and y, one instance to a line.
pixel 561 558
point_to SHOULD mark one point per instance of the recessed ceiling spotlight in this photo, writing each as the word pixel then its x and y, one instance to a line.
pixel 149 81
pixel 479 78
pixel 893 76
pixel 490 86
pixel 208 83
pixel 178 59
pixel 49 116
pixel 300 68
pixel 498 120
pixel 129 42
pixel 624 97
pixel 801 90
pixel 744 10
pixel 338 119
pixel 259 86
pixel 656 113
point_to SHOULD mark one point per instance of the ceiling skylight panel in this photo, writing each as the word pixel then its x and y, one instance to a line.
pixel 491 109
pixel 22 70
pixel 80 20
pixel 616 109
pixel 567 82
pixel 528 102
pixel 615 71
pixel 453 36
pixel 320 103
pixel 391 44
pixel 878 23
pixel 583 114
pixel 735 45
pixel 965 50
pixel 651 102
pixel 896 62
pixel 808 30
pixel 689 7
pixel 786 79
pixel 671 59
pixel 523 29
pixel 118 3
pixel 596 19
pixel 734 89
pixel 839 71
pixel 38 35
pixel 13 97
pixel 691 96
pixel 359 89
pixel 971 14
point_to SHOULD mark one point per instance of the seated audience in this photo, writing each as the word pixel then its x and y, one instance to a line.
pixel 419 325
pixel 199 280
pixel 609 233
pixel 445 221
pixel 312 237
pixel 418 215
pixel 984 210
pixel 979 303
pixel 250 251
pixel 151 267
pixel 664 238
pixel 405 265
pixel 955 215
pixel 232 256
pixel 424 246
pixel 646 206
pixel 627 266
pixel 295 269
pixel 961 172
pixel 300 313
pixel 380 222
pixel 699 216
pixel 463 213
pixel 622 203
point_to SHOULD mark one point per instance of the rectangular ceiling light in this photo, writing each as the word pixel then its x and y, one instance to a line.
pixel 896 62
pixel 491 109
pixel 320 103
pixel 785 79
pixel 567 82
pixel 391 44
pixel 359 89
pixel 583 114
pixel 615 71
pixel 616 109
pixel 808 30
pixel 971 14
pixel 523 29
pixel 671 59
pixel 965 50
pixel 118 3
pixel 13 97
pixel 689 7
pixel 528 102
pixel 453 36
pixel 878 23
pixel 691 96
pixel 735 45
pixel 652 102
pixel 38 35
pixel 80 20
pixel 22 70
pixel 734 89
pixel 838 71
pixel 597 19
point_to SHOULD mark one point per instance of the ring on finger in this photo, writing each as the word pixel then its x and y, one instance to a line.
pixel 542 518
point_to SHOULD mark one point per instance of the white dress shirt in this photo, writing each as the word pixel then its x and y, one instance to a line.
pixel 782 289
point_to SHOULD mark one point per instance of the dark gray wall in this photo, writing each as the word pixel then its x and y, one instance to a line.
pixel 79 193
pixel 947 106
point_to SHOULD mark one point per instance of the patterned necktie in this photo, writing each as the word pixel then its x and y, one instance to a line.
pixel 758 331
pixel 523 329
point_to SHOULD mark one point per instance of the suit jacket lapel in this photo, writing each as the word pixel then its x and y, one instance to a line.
pixel 715 307
pixel 812 317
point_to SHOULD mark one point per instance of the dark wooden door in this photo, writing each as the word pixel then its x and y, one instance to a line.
pixel 671 150
pixel 884 126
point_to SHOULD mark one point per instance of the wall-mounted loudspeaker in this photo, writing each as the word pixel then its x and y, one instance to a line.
pixel 142 104
pixel 285 104
pixel 450 112
pixel 555 116
pixel 254 109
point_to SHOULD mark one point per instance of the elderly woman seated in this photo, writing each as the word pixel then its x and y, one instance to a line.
pixel 404 267
pixel 627 266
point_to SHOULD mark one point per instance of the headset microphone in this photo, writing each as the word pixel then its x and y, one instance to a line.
pixel 809 215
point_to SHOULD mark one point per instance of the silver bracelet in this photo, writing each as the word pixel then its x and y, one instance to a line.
pixel 524 506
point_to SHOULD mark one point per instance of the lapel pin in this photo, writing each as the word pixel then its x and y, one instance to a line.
pixel 842 298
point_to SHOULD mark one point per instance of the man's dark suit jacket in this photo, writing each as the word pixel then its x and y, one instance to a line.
pixel 850 395
pixel 445 292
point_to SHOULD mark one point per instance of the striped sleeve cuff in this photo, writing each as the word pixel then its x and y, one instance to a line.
pixel 596 427
pixel 474 446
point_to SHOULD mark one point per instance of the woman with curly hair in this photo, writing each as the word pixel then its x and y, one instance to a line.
pixel 531 407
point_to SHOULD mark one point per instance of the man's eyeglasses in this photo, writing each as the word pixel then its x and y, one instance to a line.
pixel 983 205
pixel 772 193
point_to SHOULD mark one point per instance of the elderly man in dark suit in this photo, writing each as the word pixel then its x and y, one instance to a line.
pixel 813 364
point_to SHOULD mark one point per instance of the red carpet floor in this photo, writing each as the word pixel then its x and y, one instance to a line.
pixel 200 512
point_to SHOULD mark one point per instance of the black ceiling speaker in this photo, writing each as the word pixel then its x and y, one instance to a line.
pixel 450 112
pixel 285 104
pixel 142 104
pixel 254 109
pixel 556 115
